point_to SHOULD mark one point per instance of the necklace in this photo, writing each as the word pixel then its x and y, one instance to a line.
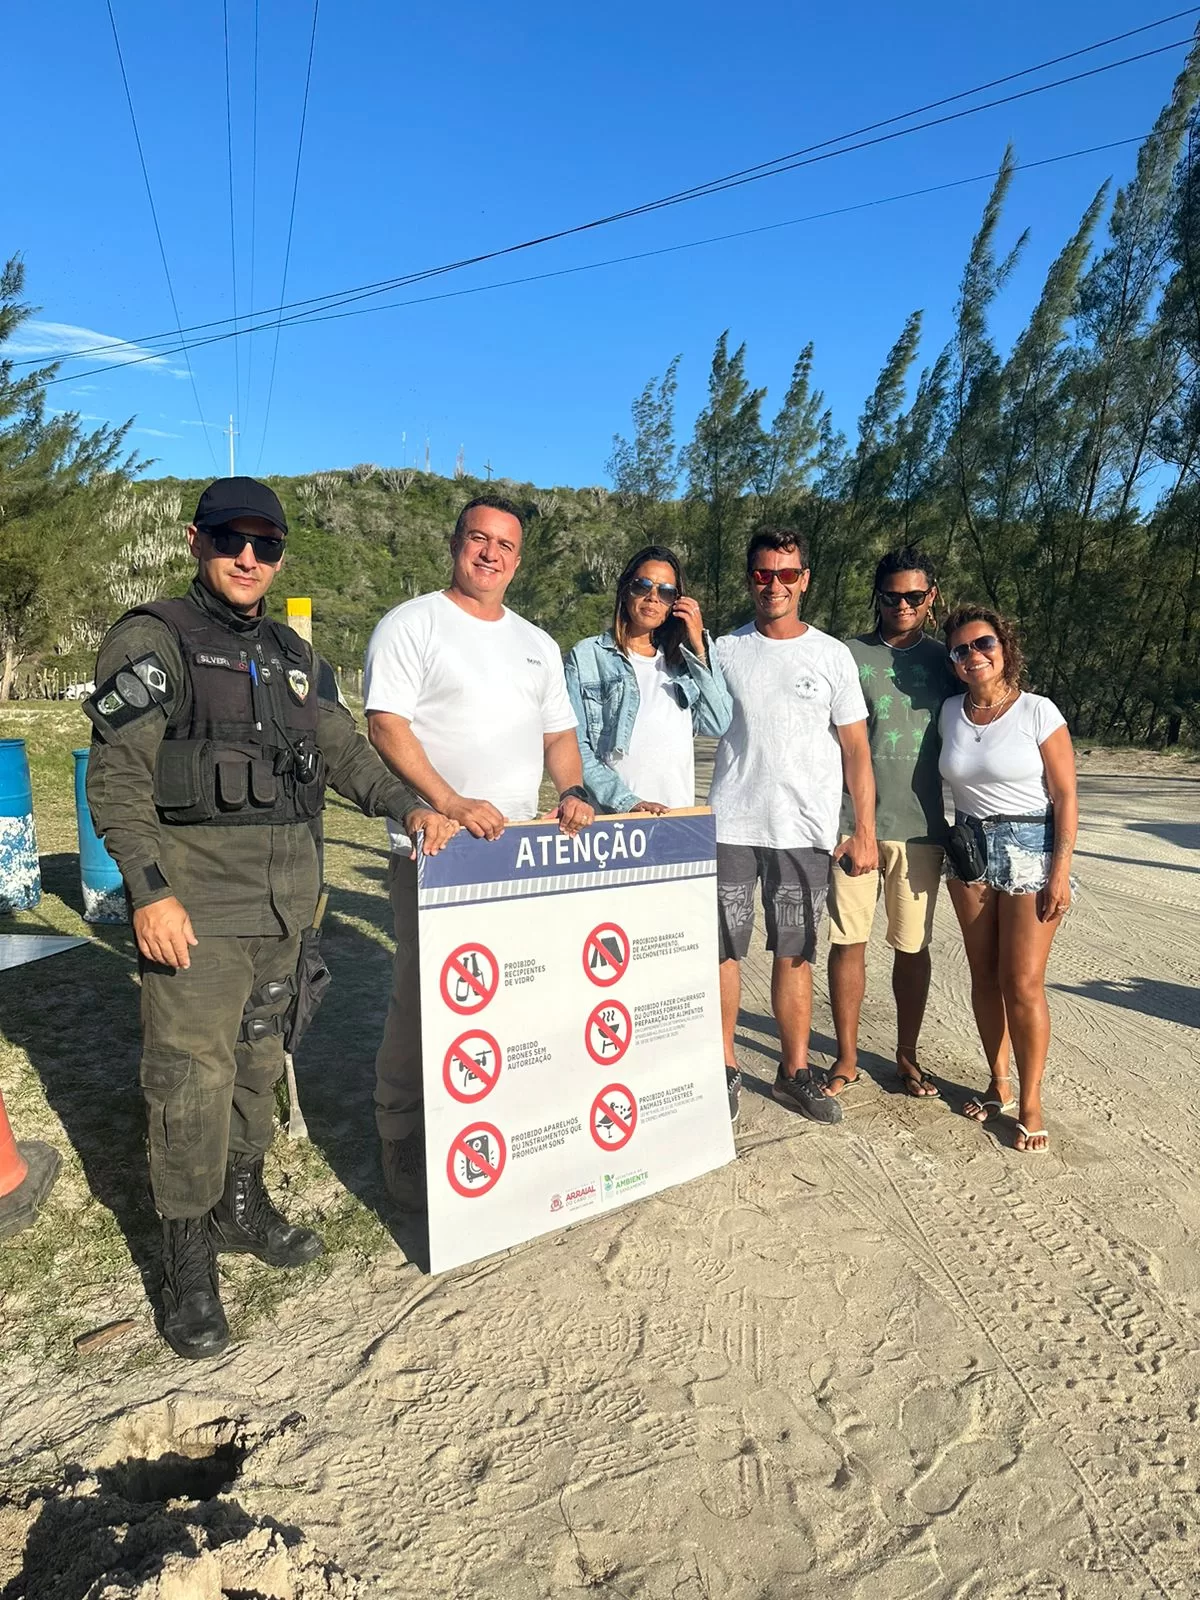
pixel 977 729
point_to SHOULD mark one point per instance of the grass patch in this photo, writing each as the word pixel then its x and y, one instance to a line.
pixel 69 1051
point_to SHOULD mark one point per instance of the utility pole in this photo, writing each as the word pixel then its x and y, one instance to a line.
pixel 487 467
pixel 427 453
pixel 230 431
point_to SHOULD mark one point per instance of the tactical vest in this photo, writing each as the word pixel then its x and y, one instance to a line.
pixel 241 747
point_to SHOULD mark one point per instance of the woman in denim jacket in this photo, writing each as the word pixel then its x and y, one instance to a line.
pixel 643 689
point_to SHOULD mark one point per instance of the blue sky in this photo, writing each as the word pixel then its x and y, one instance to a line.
pixel 447 131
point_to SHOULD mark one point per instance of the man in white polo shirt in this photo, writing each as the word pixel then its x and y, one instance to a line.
pixel 466 701
pixel 799 730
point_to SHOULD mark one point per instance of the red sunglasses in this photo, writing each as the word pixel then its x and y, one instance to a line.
pixel 786 575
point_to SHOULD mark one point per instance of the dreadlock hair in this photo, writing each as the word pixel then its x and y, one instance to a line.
pixel 908 558
pixel 669 638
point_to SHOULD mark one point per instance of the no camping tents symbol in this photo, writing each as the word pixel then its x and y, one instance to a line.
pixel 606 954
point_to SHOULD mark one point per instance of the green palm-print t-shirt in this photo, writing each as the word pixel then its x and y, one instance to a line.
pixel 904 690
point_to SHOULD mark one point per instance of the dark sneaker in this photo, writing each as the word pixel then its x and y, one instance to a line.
pixel 404 1170
pixel 733 1082
pixel 803 1093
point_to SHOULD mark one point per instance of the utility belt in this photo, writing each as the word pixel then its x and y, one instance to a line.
pixel 967 846
pixel 203 780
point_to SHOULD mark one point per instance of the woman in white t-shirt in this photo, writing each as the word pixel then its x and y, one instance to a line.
pixel 643 690
pixel 1010 767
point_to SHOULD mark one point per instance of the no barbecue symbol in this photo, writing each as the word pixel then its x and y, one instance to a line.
pixel 606 954
pixel 608 1032
pixel 472 1066
pixel 476 1160
pixel 469 978
pixel 614 1117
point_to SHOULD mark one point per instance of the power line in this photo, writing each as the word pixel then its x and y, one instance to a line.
pixel 137 139
pixel 809 155
pixel 287 254
pixel 307 319
pixel 253 218
pixel 237 375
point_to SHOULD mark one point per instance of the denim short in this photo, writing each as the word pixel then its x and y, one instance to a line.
pixel 1018 854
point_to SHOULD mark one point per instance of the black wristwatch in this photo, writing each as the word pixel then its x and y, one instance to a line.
pixel 575 792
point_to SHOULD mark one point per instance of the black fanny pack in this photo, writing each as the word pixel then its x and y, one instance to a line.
pixel 966 843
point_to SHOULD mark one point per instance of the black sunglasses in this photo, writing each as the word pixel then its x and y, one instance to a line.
pixel 644 588
pixel 986 644
pixel 911 597
pixel 230 542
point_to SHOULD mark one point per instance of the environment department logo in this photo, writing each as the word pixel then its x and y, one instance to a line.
pixel 615 1187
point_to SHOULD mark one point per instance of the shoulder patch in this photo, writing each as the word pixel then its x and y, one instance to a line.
pixel 133 690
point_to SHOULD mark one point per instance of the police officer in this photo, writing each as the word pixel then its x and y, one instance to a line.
pixel 216 731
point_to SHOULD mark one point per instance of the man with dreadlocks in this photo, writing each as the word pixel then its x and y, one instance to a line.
pixel 905 675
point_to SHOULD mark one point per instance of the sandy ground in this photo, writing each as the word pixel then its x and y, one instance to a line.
pixel 890 1359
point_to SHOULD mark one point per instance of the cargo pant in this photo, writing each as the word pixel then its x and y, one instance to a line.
pixel 399 1096
pixel 210 1091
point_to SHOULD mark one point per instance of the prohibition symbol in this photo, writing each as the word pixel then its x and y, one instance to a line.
pixel 476 1160
pixel 608 1032
pixel 614 1117
pixel 472 1066
pixel 469 978
pixel 606 954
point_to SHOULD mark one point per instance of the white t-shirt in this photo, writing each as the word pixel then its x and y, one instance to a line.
pixel 661 761
pixel 479 696
pixel 777 778
pixel 1000 774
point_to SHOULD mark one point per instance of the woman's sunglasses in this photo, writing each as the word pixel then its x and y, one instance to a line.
pixel 763 575
pixel 892 598
pixel 987 644
pixel 229 542
pixel 643 589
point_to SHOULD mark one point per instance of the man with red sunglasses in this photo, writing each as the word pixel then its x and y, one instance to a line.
pixel 799 731
pixel 216 731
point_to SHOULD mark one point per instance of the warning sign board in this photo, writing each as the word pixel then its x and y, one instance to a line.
pixel 614 1117
pixel 476 1160
pixel 606 954
pixel 570 1025
pixel 608 1032
pixel 471 1069
pixel 469 978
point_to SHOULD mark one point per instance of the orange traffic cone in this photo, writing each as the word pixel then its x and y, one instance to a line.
pixel 27 1174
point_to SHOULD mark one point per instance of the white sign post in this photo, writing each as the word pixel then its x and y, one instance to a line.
pixel 570 1025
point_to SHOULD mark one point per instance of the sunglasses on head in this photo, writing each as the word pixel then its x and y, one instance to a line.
pixel 229 542
pixel 643 588
pixel 892 598
pixel 986 644
pixel 786 575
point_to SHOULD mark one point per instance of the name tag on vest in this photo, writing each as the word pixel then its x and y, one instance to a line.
pixel 207 658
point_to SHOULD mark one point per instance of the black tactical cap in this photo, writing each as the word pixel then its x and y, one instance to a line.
pixel 228 498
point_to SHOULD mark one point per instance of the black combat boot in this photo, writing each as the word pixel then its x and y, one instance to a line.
pixel 245 1222
pixel 404 1171
pixel 194 1322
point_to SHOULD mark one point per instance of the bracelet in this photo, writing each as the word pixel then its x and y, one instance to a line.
pixel 575 792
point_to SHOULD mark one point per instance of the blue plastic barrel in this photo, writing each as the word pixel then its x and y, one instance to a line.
pixel 20 875
pixel 103 890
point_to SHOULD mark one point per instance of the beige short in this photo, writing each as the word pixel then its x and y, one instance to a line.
pixel 909 875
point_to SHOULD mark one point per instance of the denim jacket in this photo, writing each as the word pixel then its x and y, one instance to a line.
pixel 604 693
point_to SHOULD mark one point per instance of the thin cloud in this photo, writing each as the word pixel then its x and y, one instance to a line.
pixel 157 433
pixel 60 339
pixel 85 388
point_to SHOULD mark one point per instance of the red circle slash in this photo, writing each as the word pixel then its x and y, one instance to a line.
pixel 471 1069
pixel 614 1117
pixel 606 954
pixel 481 1151
pixel 608 1032
pixel 470 976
